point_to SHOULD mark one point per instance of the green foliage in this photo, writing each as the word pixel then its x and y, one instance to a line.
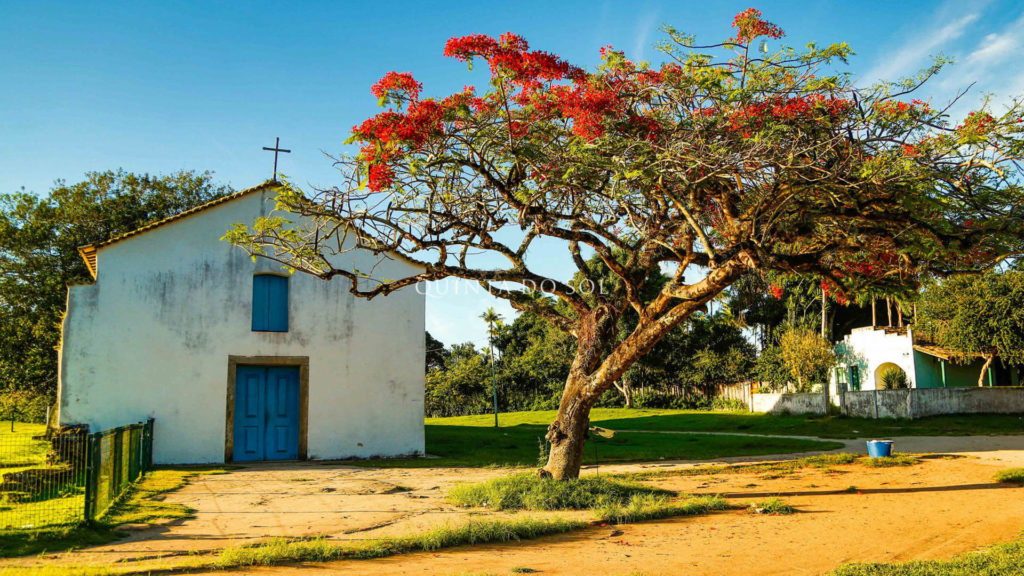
pixel 535 360
pixel 1011 475
pixel 729 405
pixel 526 491
pixel 891 461
pixel 642 507
pixel 976 315
pixel 894 378
pixel 704 352
pixel 461 385
pixel 436 353
pixel 24 406
pixel 807 356
pixel 39 238
pixel 772 506
pixel 281 550
pixel 771 368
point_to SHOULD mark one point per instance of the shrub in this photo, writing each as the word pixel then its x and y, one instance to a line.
pixel 1011 475
pixel 648 398
pixel 807 356
pixel 893 379
pixel 527 491
pixel 730 404
pixel 772 506
pixel 650 506
pixel 771 370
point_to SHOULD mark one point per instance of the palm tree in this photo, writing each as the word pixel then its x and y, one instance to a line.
pixel 493 320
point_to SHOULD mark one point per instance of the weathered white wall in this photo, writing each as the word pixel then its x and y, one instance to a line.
pixel 921 402
pixel 152 336
pixel 868 348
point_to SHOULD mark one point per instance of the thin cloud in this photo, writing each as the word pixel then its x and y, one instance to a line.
pixel 644 28
pixel 985 65
pixel 914 54
pixel 997 47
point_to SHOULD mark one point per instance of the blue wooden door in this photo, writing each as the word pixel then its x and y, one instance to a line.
pixel 266 413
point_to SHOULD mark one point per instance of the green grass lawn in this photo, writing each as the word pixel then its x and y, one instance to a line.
pixel 752 423
pixel 473 441
pixel 519 445
pixel 18 450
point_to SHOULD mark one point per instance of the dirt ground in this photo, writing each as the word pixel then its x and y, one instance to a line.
pixel 935 509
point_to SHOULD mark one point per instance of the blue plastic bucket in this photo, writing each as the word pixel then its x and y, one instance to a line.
pixel 879 448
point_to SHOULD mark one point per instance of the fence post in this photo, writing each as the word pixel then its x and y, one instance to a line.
pixel 147 445
pixel 91 474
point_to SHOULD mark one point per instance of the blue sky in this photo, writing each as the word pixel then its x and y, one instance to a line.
pixel 157 87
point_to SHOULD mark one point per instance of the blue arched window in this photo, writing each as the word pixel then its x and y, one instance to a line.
pixel 269 303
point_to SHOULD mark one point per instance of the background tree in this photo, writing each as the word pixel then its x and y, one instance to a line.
pixel 535 360
pixel 460 386
pixel 807 356
pixel 436 353
pixel 39 238
pixel 976 315
pixel 493 320
pixel 721 163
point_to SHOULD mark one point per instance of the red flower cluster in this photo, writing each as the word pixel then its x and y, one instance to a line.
pixel 510 55
pixel 911 151
pixel 391 135
pixel 749 25
pixel 898 108
pixel 644 126
pixel 804 107
pixel 776 291
pixel 587 105
pixel 397 83
pixel 832 291
pixel 978 123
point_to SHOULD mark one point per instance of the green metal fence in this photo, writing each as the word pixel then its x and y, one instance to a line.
pixel 70 476
pixel 117 457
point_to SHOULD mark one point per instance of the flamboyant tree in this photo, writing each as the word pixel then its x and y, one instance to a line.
pixel 725 161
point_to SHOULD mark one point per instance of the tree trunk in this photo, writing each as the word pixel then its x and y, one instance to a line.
pixel 824 315
pixel 985 369
pixel 624 388
pixel 599 362
pixel 568 433
pixel 874 316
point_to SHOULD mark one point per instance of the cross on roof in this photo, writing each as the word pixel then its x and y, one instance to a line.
pixel 277 148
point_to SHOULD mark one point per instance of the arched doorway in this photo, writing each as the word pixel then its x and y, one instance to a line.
pixel 889 376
